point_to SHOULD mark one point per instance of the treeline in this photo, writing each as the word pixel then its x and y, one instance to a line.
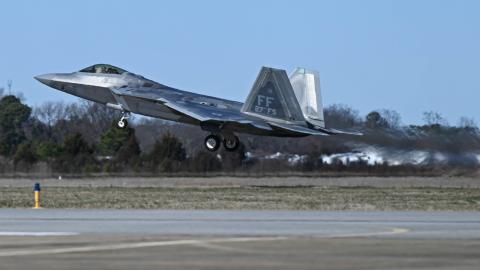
pixel 82 138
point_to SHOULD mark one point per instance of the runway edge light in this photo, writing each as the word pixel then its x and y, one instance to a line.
pixel 36 190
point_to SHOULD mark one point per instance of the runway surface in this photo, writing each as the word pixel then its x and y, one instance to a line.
pixel 149 239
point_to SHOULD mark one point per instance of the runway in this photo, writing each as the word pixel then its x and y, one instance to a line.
pixel 149 239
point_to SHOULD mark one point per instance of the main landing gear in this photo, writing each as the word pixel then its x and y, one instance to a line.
pixel 213 142
pixel 123 123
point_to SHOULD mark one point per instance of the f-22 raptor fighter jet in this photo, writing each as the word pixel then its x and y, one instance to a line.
pixel 277 105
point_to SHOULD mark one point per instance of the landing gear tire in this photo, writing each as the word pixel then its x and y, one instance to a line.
pixel 231 144
pixel 122 123
pixel 212 143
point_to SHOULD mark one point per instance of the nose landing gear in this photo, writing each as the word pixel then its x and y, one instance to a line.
pixel 123 123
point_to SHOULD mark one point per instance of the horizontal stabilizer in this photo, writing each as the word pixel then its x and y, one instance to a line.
pixel 333 131
pixel 297 129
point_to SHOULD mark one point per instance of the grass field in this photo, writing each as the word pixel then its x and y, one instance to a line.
pixel 272 198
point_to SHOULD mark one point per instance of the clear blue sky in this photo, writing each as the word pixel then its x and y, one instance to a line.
pixel 410 56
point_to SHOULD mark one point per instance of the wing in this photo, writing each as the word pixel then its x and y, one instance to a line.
pixel 211 113
pixel 208 111
pixel 198 108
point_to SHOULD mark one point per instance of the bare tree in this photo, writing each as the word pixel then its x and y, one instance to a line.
pixel 341 116
pixel 98 115
pixel 51 112
pixel 434 118
pixel 392 117
pixel 467 122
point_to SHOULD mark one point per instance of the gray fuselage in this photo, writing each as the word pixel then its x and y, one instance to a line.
pixel 107 88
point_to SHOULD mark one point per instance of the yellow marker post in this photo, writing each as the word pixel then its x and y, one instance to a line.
pixel 36 190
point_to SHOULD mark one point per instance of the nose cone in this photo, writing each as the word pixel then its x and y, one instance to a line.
pixel 46 79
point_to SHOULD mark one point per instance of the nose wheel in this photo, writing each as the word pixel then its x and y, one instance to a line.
pixel 123 123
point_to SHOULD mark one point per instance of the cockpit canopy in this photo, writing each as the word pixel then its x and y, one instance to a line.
pixel 104 69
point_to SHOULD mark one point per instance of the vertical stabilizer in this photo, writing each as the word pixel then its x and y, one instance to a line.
pixel 306 85
pixel 273 99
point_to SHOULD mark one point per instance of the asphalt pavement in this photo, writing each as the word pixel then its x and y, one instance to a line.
pixel 153 239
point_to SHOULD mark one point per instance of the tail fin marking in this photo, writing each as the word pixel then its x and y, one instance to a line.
pixel 272 98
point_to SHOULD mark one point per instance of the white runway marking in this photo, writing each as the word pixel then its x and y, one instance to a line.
pixel 37 233
pixel 221 248
pixel 385 233
pixel 201 243
pixel 127 246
